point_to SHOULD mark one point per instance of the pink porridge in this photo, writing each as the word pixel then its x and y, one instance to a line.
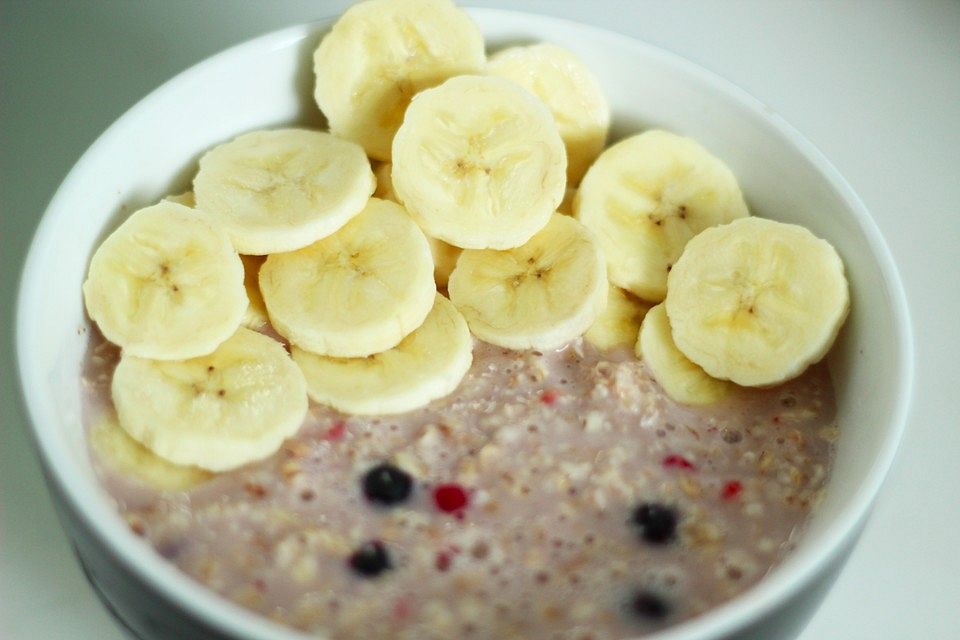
pixel 555 494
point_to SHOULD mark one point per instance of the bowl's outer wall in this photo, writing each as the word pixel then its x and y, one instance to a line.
pixel 138 607
pixel 152 151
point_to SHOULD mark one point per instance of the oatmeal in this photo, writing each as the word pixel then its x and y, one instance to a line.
pixel 554 494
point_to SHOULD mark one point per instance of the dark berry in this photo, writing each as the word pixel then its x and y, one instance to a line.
pixel 371 559
pixel 657 522
pixel 450 497
pixel 386 484
pixel 649 605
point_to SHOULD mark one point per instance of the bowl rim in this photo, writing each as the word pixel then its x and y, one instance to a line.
pixel 197 600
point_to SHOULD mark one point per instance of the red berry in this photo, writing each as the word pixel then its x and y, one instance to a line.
pixel 336 432
pixel 548 397
pixel 678 461
pixel 450 497
pixel 401 608
pixel 731 490
pixel 443 561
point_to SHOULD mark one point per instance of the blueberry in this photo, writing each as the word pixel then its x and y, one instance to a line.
pixel 657 522
pixel 370 559
pixel 387 484
pixel 649 605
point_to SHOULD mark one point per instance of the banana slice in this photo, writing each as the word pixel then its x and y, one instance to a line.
pixel 444 255
pixel 645 197
pixel 537 296
pixel 570 91
pixel 283 189
pixel 681 379
pixel 619 322
pixel 757 301
pixel 123 454
pixel 166 285
pixel 379 54
pixel 256 314
pixel 357 292
pixel 478 163
pixel 426 365
pixel 186 198
pixel 216 412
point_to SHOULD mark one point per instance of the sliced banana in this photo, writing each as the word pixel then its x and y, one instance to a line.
pixel 256 314
pixel 645 197
pixel 356 292
pixel 282 189
pixel 426 365
pixel 478 163
pixel 121 453
pixel 537 296
pixel 757 301
pixel 571 92
pixel 379 54
pixel 166 285
pixel 216 412
pixel 619 322
pixel 186 198
pixel 681 379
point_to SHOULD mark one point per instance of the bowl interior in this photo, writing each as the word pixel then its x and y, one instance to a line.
pixel 153 149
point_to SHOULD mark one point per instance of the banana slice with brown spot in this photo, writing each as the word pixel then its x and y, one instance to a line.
pixel 166 284
pixel 354 293
pixel 645 197
pixel 757 301
pixel 537 296
pixel 217 412
pixel 479 163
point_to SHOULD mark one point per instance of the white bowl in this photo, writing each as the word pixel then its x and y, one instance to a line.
pixel 152 151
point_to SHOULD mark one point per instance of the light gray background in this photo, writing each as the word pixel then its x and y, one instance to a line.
pixel 875 85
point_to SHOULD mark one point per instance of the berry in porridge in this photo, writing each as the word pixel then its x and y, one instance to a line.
pixel 387 484
pixel 370 560
pixel 657 523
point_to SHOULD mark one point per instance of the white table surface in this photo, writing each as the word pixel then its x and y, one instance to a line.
pixel 875 85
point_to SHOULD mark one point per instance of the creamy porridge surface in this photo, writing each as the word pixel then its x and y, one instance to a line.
pixel 596 507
